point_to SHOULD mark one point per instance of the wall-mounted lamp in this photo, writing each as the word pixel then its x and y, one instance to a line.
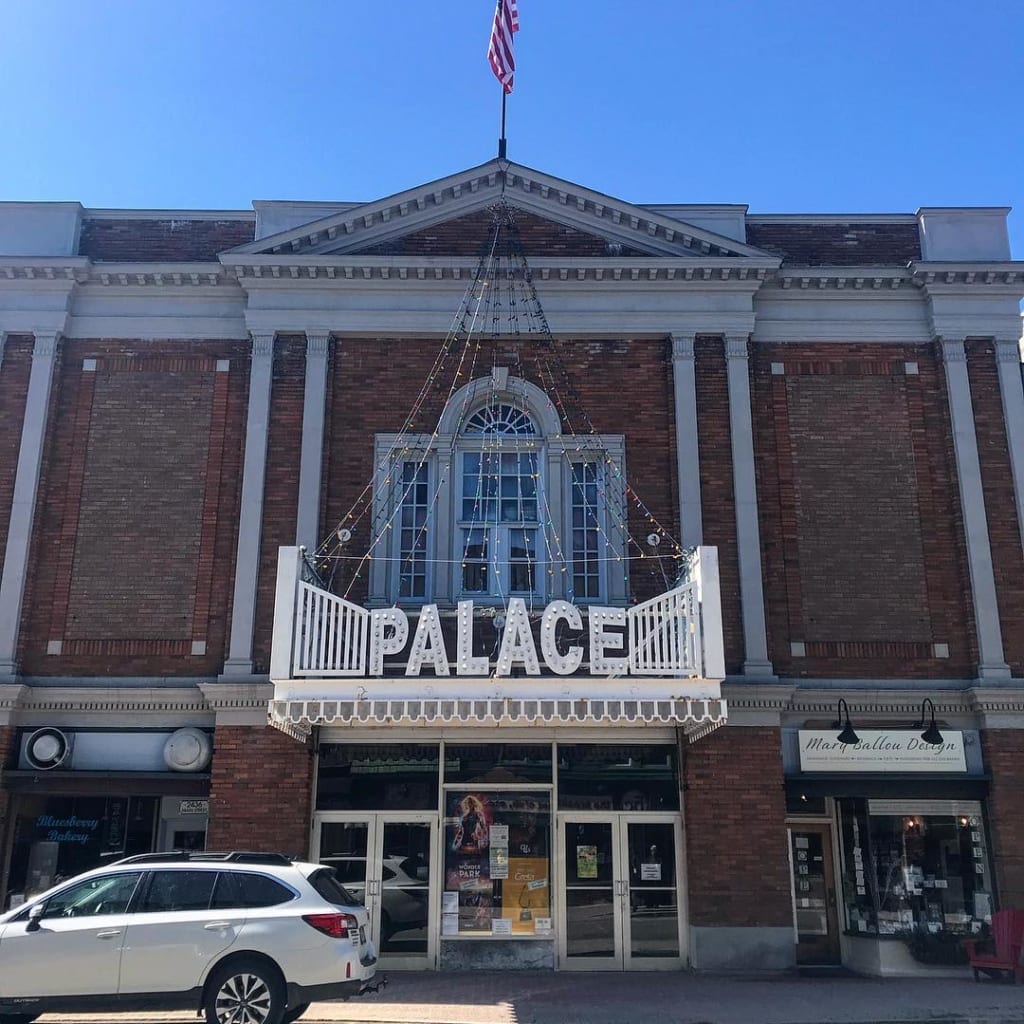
pixel 931 734
pixel 848 735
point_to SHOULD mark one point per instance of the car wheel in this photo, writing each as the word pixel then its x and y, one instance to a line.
pixel 294 1013
pixel 245 992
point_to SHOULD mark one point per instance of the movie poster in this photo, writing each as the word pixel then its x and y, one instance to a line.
pixel 467 861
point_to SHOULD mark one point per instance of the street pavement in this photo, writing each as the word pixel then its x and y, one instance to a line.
pixel 528 997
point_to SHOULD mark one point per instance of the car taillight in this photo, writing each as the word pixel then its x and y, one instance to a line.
pixel 338 926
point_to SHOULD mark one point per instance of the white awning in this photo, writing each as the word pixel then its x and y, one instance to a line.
pixel 696 716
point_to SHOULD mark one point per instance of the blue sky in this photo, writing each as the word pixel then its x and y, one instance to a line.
pixel 786 105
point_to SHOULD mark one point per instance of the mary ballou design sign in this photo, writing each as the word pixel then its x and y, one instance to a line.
pixel 881 751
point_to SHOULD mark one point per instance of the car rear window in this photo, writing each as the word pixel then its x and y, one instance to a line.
pixel 241 889
pixel 327 885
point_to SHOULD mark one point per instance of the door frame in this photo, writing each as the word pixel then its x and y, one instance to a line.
pixel 372 895
pixel 622 960
pixel 830 870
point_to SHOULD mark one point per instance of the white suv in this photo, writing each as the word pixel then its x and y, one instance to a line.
pixel 245 938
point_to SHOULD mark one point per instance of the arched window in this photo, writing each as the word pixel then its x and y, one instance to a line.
pixel 498 503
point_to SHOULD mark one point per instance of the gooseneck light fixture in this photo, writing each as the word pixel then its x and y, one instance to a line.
pixel 848 735
pixel 931 734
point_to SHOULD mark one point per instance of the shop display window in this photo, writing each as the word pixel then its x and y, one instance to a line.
pixel 374 776
pixel 497 864
pixel 617 778
pixel 915 868
pixel 497 762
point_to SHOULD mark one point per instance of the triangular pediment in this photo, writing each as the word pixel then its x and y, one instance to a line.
pixel 450 217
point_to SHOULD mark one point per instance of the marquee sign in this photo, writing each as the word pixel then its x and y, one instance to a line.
pixel 888 750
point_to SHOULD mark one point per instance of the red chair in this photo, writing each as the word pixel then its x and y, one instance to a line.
pixel 1006 943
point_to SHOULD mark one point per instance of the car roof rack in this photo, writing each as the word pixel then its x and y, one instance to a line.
pixel 234 856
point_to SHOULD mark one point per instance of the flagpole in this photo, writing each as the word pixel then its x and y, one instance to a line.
pixel 502 140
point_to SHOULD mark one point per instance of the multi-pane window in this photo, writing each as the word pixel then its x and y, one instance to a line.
pixel 412 566
pixel 499 522
pixel 586 572
pixel 499 504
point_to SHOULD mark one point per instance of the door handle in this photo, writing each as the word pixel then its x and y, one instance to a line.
pixel 217 926
pixel 110 933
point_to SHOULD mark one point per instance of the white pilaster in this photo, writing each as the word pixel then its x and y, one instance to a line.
pixel 250 518
pixel 748 533
pixel 992 664
pixel 307 527
pixel 1008 363
pixel 684 382
pixel 26 488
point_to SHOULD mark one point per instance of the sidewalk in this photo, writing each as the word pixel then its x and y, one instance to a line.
pixel 488 997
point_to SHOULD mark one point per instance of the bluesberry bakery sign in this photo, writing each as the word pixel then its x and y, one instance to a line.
pixel 888 750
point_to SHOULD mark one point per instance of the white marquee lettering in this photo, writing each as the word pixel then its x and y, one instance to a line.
pixel 428 644
pixel 601 640
pixel 517 641
pixel 560 664
pixel 380 642
pixel 466 664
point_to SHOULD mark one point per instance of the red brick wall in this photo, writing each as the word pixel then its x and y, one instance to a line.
pixel 260 791
pixel 14 373
pixel 735 811
pixel 281 487
pixel 7 738
pixel 837 244
pixel 175 239
pixel 1004 758
pixel 1000 503
pixel 618 387
pixel 718 506
pixel 860 510
pixel 134 541
pixel 468 236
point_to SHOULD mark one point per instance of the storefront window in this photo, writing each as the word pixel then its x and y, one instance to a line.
pixel 914 867
pixel 375 776
pixel 58 837
pixel 617 778
pixel 497 762
pixel 497 864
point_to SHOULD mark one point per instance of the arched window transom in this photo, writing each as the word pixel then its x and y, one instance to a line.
pixel 500 418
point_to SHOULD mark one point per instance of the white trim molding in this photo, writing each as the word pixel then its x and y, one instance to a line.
pixel 748 534
pixel 307 526
pixel 250 516
pixel 26 490
pixel 684 384
pixel 992 663
pixel 1008 365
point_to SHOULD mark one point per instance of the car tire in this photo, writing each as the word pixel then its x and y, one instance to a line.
pixel 294 1013
pixel 245 991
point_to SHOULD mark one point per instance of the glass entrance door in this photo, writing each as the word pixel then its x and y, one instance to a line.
pixel 814 894
pixel 620 883
pixel 387 861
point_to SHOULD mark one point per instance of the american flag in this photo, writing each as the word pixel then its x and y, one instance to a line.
pixel 499 53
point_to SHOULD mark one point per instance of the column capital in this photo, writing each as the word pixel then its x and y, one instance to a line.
pixel 262 343
pixel 736 346
pixel 45 346
pixel 682 344
pixel 953 350
pixel 1007 350
pixel 317 343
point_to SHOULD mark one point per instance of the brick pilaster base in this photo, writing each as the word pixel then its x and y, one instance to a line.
pixel 260 790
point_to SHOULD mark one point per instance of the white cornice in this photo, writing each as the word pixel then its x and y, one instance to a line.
pixel 250 270
pixel 838 278
pixel 245 216
pixel 995 274
pixel 478 188
pixel 831 218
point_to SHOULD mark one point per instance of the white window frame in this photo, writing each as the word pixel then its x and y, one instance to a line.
pixel 442 454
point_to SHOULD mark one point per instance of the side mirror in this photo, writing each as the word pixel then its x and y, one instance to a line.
pixel 34 916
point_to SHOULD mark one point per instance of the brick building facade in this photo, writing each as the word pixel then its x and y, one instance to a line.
pixel 827 409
